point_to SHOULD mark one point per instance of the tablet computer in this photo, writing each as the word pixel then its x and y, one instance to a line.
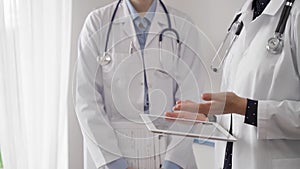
pixel 188 128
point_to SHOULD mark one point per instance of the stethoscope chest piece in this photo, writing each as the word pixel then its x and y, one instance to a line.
pixel 105 59
pixel 275 45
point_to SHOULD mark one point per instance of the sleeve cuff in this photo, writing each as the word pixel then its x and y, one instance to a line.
pixel 263 116
pixel 251 112
pixel 118 164
pixel 170 165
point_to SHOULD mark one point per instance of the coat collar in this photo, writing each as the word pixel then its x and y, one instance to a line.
pixel 159 23
pixel 271 9
pixel 124 19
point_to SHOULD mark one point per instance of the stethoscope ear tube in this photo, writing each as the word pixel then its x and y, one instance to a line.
pixel 213 66
pixel 275 44
pixel 216 67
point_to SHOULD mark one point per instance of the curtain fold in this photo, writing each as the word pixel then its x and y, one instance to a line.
pixel 34 71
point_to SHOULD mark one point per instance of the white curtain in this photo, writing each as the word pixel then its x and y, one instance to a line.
pixel 34 71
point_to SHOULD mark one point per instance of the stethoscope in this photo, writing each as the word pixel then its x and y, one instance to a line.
pixel 106 57
pixel 274 45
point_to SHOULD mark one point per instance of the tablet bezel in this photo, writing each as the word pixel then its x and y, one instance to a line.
pixel 152 128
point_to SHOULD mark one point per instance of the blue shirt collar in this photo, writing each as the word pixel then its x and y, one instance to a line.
pixel 149 15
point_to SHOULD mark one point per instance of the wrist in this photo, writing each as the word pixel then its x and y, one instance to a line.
pixel 241 106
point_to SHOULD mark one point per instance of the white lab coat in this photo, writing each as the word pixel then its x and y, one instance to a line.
pixel 252 72
pixel 114 94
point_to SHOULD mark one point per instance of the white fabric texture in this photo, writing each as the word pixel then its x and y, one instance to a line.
pixel 34 70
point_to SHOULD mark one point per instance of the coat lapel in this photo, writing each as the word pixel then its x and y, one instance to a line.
pixel 158 23
pixel 273 7
pixel 123 19
pixel 252 26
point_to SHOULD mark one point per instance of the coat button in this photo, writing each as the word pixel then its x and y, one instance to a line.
pixel 142 84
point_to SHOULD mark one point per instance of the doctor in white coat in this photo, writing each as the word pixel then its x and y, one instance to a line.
pixel 261 99
pixel 110 96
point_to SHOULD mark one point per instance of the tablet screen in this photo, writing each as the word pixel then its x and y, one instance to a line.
pixel 204 129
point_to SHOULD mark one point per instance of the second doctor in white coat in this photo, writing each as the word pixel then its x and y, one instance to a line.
pixel 109 98
pixel 271 140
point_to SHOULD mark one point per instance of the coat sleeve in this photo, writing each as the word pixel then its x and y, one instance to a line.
pixel 99 137
pixel 281 119
pixel 189 87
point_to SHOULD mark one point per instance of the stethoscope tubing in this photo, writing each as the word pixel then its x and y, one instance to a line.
pixel 105 58
pixel 110 26
pixel 240 26
pixel 277 36
pixel 284 17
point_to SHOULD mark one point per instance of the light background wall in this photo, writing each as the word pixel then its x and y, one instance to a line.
pixel 211 16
